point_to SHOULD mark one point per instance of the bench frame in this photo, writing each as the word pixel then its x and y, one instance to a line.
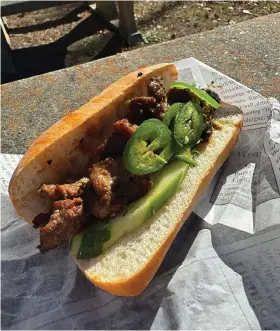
pixel 122 21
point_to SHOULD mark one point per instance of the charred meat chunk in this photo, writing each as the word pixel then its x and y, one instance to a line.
pixel 97 207
pixel 156 89
pixel 125 127
pixel 206 133
pixel 207 126
pixel 213 94
pixel 142 103
pixel 65 191
pixel 141 109
pixel 114 186
pixel 113 146
pixel 66 221
pixel 102 211
pixel 184 95
pixel 134 187
pixel 103 176
pixel 41 220
pixel 159 110
pixel 178 95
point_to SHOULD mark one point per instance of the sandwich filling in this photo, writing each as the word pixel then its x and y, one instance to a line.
pixel 141 164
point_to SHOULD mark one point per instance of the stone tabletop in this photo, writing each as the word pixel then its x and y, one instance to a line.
pixel 248 52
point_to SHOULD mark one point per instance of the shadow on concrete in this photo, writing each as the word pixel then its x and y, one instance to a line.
pixel 68 18
pixel 41 59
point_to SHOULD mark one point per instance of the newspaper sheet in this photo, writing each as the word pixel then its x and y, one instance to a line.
pixel 220 274
pixel 247 187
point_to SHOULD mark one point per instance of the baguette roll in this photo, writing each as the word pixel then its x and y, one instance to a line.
pixel 128 266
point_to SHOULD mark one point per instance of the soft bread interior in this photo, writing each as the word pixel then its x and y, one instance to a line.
pixel 128 266
pixel 68 146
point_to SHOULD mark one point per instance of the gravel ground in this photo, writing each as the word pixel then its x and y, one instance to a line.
pixel 70 34
pixel 156 19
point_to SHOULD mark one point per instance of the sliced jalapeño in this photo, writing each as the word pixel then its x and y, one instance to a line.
pixel 149 149
pixel 188 124
pixel 171 113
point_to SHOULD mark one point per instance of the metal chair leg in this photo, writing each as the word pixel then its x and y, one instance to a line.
pixel 122 21
pixel 106 9
pixel 127 24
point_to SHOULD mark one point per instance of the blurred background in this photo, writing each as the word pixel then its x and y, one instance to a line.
pixel 74 33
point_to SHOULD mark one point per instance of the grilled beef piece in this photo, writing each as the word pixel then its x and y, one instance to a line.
pixel 102 211
pixel 132 187
pixel 66 221
pixel 125 128
pixel 102 178
pixel 159 110
pixel 156 89
pixel 178 95
pixel 207 126
pixel 41 220
pixel 153 106
pixel 65 191
pixel 114 187
pixel 96 206
pixel 208 112
pixel 213 94
pixel 183 95
pixel 113 146
pixel 141 109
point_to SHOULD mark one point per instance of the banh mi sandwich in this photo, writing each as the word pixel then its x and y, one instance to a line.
pixel 118 177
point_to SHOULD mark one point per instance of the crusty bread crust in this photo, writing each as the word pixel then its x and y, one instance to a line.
pixel 67 147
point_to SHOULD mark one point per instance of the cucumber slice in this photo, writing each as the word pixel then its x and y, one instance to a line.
pixel 165 184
